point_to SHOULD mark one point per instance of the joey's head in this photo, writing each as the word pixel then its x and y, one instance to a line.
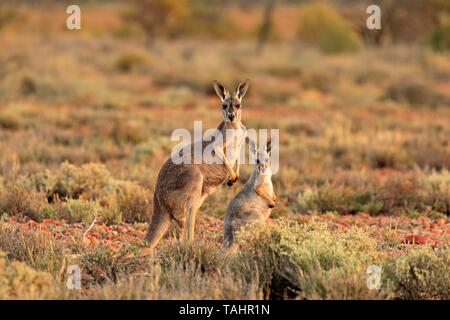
pixel 231 104
pixel 262 157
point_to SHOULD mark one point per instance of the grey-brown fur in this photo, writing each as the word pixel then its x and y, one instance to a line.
pixel 254 201
pixel 181 188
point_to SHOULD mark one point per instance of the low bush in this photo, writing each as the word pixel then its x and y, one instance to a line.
pixel 422 273
pixel 102 264
pixel 200 256
pixel 37 249
pixel 293 260
pixel 414 92
pixel 321 25
pixel 440 39
pixel 130 60
pixel 178 283
pixel 79 210
pixel 19 281
pixel 133 202
pixel 17 201
pixel 87 181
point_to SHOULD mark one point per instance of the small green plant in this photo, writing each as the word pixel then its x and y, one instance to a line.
pixel 440 39
pixel 130 60
pixel 79 210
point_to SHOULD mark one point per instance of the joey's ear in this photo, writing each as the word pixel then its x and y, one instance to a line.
pixel 269 146
pixel 241 89
pixel 251 144
pixel 220 90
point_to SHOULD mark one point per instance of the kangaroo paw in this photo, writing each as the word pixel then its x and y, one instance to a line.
pixel 232 180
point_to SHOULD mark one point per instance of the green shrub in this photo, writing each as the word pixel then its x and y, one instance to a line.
pixel 43 181
pixel 17 201
pixel 440 39
pixel 10 121
pixel 79 210
pixel 435 190
pixel 158 17
pixel 36 248
pixel 208 21
pixel 102 264
pixel 299 260
pixel 320 80
pixel 18 281
pixel 321 25
pixel 89 180
pixel 133 202
pixel 7 15
pixel 365 202
pixel 28 86
pixel 177 283
pixel 199 256
pixel 414 92
pixel 422 273
pixel 324 199
pixel 130 60
pixel 399 193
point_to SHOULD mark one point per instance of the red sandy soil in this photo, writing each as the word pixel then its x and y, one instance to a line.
pixel 388 231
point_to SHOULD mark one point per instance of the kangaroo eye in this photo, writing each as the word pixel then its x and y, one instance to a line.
pixel 237 106
pixel 224 106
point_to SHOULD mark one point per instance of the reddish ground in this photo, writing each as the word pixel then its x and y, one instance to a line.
pixel 389 231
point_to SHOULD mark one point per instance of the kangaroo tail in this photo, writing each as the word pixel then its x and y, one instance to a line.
pixel 158 226
pixel 228 236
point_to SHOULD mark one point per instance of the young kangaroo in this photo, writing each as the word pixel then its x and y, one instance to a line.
pixel 255 200
pixel 181 188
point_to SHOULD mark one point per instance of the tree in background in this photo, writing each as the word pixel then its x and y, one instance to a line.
pixel 158 16
pixel 320 24
pixel 267 26
pixel 7 14
pixel 176 18
pixel 440 39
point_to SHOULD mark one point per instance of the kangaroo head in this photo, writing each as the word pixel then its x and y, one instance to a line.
pixel 263 164
pixel 231 103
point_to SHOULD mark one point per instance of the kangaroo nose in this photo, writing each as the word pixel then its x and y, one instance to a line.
pixel 231 117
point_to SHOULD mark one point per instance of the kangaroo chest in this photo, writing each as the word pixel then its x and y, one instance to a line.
pixel 233 140
pixel 265 182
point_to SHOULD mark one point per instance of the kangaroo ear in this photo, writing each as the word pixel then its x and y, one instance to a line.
pixel 269 146
pixel 251 144
pixel 220 90
pixel 241 89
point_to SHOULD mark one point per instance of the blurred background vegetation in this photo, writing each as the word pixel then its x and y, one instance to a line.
pixel 361 112
pixel 334 26
pixel 364 117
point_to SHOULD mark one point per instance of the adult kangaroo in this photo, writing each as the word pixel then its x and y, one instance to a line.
pixel 181 188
